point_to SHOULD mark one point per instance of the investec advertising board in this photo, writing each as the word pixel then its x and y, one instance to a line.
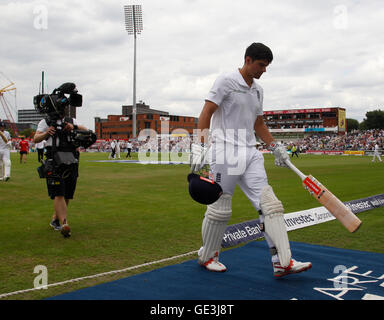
pixel 251 230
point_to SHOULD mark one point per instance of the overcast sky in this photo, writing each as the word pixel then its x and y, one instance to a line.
pixel 326 53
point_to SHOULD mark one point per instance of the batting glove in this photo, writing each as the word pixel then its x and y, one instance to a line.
pixel 198 156
pixel 280 154
pixel 9 145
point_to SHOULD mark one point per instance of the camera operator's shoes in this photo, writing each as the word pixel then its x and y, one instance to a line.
pixel 66 231
pixel 294 267
pixel 55 224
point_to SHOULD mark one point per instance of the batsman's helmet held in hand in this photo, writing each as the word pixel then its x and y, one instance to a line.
pixel 203 190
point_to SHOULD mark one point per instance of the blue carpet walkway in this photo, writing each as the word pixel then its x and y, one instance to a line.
pixel 336 274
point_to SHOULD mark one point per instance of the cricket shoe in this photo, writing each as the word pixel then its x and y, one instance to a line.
pixel 65 231
pixel 213 263
pixel 55 224
pixel 6 178
pixel 293 267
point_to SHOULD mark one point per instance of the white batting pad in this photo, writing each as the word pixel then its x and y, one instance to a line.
pixel 214 225
pixel 274 224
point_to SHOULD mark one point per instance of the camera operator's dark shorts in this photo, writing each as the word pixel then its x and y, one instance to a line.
pixel 61 187
pixel 23 152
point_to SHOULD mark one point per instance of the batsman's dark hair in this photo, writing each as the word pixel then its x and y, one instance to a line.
pixel 259 51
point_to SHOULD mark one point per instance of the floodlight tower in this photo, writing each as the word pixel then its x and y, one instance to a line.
pixel 133 25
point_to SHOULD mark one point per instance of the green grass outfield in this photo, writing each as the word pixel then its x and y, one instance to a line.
pixel 129 214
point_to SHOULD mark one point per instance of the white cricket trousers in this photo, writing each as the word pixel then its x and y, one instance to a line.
pixel 229 167
pixel 6 161
pixel 239 165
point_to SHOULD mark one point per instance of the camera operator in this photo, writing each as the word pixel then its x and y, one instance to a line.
pixel 60 189
pixel 63 137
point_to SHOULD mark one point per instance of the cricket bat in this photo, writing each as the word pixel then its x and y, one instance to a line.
pixel 338 209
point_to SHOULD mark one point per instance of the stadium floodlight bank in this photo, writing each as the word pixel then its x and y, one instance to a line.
pixel 134 26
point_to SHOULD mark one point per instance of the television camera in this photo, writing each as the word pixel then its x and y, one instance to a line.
pixel 63 158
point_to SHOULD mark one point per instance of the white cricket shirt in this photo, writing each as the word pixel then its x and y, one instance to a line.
pixel 3 145
pixel 239 106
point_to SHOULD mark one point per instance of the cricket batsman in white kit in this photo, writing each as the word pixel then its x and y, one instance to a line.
pixel 5 147
pixel 232 115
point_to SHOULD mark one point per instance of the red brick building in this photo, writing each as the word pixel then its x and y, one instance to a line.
pixel 120 126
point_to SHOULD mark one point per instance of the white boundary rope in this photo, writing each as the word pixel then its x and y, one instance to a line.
pixel 97 275
pixel 318 215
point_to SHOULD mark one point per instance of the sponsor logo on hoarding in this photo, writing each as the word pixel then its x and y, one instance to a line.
pixel 354 152
pixel 301 219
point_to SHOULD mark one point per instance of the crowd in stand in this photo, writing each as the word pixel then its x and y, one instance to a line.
pixel 355 140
